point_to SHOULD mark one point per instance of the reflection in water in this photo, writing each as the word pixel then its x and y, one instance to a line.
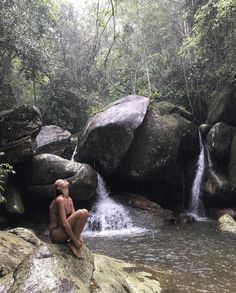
pixel 197 256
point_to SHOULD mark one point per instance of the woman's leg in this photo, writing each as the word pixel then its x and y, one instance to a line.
pixel 58 235
pixel 77 221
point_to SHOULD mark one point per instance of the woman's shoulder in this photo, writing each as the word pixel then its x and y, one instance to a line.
pixel 59 198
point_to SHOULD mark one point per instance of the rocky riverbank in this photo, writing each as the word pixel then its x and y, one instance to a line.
pixel 30 265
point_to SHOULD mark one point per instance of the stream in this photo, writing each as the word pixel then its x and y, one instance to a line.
pixel 193 257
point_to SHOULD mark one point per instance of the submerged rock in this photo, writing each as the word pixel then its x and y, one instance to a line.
pixel 227 223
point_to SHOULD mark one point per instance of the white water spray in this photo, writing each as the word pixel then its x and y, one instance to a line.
pixel 196 205
pixel 74 153
pixel 109 217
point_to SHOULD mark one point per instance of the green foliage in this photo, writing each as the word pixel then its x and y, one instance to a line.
pixel 5 169
pixel 71 64
pixel 210 50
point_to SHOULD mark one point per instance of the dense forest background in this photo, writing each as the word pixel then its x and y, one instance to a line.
pixel 72 62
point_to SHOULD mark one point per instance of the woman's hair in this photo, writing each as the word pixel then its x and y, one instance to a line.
pixel 58 192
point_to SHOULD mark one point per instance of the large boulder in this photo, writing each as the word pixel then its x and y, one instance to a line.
pixel 222 106
pixel 43 170
pixel 52 139
pixel 18 130
pixel 218 190
pixel 29 265
pixel 109 134
pixel 232 161
pixel 162 147
pixel 13 249
pixel 219 140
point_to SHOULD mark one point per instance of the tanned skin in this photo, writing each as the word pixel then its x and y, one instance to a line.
pixel 65 222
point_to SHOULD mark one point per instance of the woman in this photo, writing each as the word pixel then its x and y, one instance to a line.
pixel 66 223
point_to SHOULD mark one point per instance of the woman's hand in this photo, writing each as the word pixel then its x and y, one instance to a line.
pixel 77 243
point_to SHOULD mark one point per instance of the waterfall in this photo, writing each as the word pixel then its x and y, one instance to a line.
pixel 74 153
pixel 196 205
pixel 107 216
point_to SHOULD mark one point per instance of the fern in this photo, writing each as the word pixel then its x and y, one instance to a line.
pixel 6 169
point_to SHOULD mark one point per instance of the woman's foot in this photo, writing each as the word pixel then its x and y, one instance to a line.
pixel 75 250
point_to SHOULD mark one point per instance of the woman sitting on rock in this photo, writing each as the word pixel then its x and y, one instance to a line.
pixel 66 224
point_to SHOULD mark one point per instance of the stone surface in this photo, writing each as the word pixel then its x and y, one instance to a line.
pixel 116 276
pixel 163 141
pixel 53 268
pixel 140 202
pixel 219 140
pixel 52 139
pixel 109 134
pixel 18 130
pixel 222 107
pixel 227 223
pixel 43 170
pixel 29 265
pixel 14 202
pixel 232 161
pixel 13 249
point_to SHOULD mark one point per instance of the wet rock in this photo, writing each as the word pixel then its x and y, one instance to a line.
pixel 219 140
pixel 109 134
pixel 52 139
pixel 115 276
pixel 94 223
pixel 163 146
pixel 227 223
pixel 222 106
pixel 232 161
pixel 14 204
pixel 220 212
pixel 43 170
pixel 141 202
pixel 218 191
pixel 185 218
pixel 13 249
pixel 18 130
pixel 27 235
pixel 53 268
pixel 204 128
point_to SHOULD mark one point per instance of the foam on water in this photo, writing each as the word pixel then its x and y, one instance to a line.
pixel 108 217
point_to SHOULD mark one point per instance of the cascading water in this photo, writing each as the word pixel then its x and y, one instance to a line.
pixel 74 153
pixel 109 217
pixel 196 207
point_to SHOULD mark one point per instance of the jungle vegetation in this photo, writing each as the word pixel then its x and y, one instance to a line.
pixel 70 62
